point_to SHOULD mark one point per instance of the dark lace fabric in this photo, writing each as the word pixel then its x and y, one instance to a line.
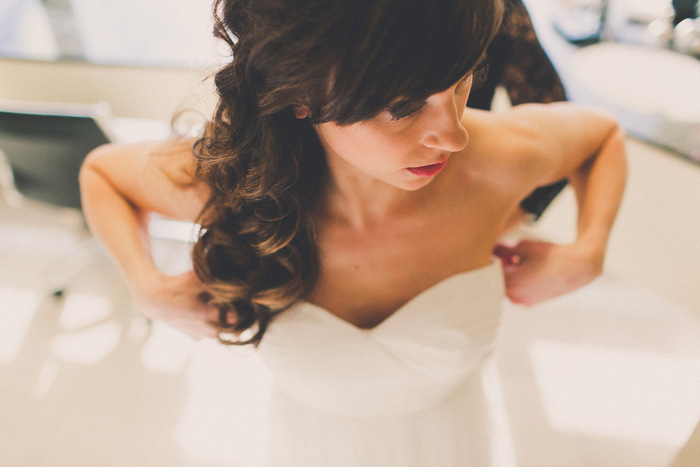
pixel 517 62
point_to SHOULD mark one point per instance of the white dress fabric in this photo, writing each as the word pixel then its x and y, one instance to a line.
pixel 405 393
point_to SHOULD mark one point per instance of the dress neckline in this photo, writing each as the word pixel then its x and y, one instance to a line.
pixel 393 315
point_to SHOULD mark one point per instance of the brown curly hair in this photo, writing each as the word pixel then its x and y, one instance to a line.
pixel 344 61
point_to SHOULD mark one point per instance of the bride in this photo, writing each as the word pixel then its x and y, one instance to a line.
pixel 351 209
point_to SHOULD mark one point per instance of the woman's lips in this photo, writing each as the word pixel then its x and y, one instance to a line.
pixel 428 170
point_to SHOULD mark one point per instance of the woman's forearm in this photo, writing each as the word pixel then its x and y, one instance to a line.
pixel 599 185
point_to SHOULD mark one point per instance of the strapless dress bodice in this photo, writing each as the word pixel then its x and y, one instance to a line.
pixel 409 362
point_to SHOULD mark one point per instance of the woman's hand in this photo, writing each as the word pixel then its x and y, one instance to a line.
pixel 536 271
pixel 177 301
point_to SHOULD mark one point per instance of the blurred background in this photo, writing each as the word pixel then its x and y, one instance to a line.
pixel 608 376
pixel 145 58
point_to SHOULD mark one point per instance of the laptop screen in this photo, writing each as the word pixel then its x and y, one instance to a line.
pixel 45 153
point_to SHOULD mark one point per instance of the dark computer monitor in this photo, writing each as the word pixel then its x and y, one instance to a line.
pixel 45 150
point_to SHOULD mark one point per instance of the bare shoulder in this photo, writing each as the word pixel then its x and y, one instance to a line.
pixel 173 158
pixel 536 144
pixel 158 176
pixel 539 124
pixel 558 116
pixel 499 146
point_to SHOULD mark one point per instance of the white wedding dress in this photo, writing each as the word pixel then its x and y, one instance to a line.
pixel 405 393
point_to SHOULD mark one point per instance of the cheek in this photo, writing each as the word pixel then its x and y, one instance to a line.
pixel 346 143
pixel 355 141
pixel 371 147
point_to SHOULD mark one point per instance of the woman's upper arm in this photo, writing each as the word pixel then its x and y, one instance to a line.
pixel 152 176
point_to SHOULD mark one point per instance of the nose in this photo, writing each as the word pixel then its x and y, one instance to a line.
pixel 444 129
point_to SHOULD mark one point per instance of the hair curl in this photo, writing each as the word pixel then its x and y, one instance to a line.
pixel 345 61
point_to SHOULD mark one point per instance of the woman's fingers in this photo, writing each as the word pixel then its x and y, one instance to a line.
pixel 508 255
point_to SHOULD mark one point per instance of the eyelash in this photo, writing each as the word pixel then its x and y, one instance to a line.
pixel 401 116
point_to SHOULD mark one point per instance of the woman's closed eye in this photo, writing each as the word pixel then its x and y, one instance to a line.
pixel 403 111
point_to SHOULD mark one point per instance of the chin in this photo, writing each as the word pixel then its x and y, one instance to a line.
pixel 413 185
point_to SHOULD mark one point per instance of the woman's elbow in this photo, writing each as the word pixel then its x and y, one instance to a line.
pixel 92 161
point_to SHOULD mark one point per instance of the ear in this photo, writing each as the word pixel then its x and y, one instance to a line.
pixel 301 111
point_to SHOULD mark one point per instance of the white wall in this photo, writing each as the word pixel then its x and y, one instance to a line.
pixel 131 91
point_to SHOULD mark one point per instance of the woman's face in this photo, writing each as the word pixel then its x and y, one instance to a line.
pixel 404 150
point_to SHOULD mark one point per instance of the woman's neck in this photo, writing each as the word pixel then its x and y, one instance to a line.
pixel 357 199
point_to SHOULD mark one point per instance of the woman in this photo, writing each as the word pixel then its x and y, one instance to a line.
pixel 350 205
